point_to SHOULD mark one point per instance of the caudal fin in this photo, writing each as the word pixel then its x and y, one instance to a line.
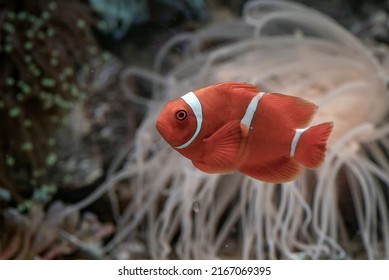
pixel 311 147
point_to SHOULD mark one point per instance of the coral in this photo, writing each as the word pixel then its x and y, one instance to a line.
pixel 160 199
pixel 47 57
pixel 41 235
pixel 117 16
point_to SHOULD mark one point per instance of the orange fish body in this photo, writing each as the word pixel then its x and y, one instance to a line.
pixel 232 126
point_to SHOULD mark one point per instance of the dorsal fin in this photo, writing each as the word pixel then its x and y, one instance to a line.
pixel 297 111
pixel 232 87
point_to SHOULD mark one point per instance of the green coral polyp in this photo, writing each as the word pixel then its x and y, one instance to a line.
pixel 50 32
pixel 106 56
pixel 5 195
pixel 21 16
pixel 54 62
pixel 9 81
pixel 38 24
pixel 51 159
pixel 27 59
pixel 28 45
pixel 53 6
pixel 10 161
pixel 68 72
pixel 10 28
pixel 74 90
pixel 27 146
pixel 24 206
pixel 30 34
pixel 81 23
pixel 26 88
pixel 45 15
pixel 59 101
pixel 44 193
pixel 47 82
pixel 35 71
pixel 14 112
pixel 31 18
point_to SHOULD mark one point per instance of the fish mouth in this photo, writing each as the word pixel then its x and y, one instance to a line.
pixel 161 128
pixel 164 129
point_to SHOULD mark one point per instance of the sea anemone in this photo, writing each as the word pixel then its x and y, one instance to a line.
pixel 337 211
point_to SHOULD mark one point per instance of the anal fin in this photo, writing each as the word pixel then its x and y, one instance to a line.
pixel 281 170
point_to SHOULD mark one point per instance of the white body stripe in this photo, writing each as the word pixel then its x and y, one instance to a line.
pixel 191 99
pixel 194 103
pixel 250 111
pixel 296 138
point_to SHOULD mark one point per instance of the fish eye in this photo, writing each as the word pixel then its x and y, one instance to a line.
pixel 181 115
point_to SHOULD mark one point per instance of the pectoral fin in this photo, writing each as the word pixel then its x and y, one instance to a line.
pixel 222 150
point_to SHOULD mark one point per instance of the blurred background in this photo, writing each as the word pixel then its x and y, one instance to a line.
pixel 65 117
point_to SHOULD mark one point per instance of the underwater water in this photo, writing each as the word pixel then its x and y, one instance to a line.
pixel 85 174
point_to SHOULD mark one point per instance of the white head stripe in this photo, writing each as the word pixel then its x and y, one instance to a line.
pixel 191 99
pixel 297 135
pixel 250 111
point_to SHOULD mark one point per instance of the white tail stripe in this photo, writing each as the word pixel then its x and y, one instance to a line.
pixel 250 111
pixel 296 138
pixel 194 103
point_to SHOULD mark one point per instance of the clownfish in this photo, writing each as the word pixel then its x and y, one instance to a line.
pixel 233 126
